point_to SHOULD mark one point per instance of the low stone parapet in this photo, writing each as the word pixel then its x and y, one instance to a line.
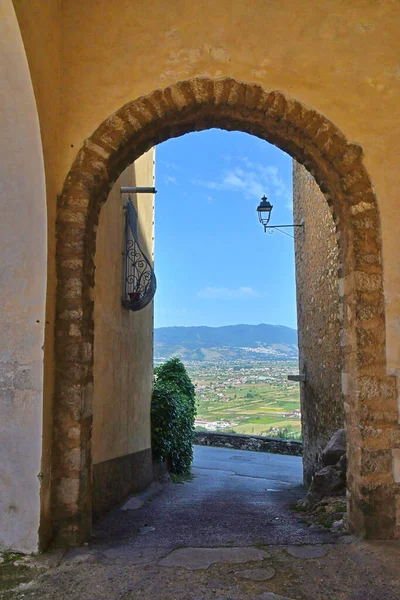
pixel 257 443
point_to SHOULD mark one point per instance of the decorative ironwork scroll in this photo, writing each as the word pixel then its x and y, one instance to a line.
pixel 140 282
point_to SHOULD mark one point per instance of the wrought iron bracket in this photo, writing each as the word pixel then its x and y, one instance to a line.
pixel 279 227
pixel 140 284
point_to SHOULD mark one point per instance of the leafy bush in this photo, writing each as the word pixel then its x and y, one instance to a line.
pixel 173 412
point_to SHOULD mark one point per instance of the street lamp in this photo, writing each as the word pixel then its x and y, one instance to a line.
pixel 264 210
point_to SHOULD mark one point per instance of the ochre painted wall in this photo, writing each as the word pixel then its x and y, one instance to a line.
pixel 338 57
pixel 23 277
pixel 123 347
pixel 89 57
pixel 40 19
pixel 318 319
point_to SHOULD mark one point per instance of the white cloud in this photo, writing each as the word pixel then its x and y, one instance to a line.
pixel 223 292
pixel 211 185
pixel 252 180
pixel 170 165
pixel 170 179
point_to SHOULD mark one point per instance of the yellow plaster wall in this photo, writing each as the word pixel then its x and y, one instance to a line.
pixel 22 297
pixel 89 57
pixel 123 347
pixel 40 25
pixel 339 57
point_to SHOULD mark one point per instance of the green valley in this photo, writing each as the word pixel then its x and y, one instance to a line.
pixel 240 373
pixel 247 397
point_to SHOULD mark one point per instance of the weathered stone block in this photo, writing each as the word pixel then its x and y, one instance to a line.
pixel 368 282
pixel 335 448
pixel 72 264
pixel 375 387
pixel 379 509
pixel 375 462
pixel 81 351
pixel 72 215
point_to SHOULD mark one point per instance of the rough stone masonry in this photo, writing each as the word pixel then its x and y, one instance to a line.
pixel 318 322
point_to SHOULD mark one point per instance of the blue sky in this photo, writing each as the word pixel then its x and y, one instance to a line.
pixel 214 264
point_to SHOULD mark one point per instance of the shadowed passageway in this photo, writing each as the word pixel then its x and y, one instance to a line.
pixel 234 496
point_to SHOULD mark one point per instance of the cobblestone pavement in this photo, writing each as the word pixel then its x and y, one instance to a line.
pixel 227 534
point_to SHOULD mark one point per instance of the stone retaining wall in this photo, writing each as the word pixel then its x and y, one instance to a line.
pixel 256 443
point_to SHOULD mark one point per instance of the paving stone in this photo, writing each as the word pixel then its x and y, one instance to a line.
pixel 80 555
pixel 134 556
pixel 202 558
pixel 22 587
pixel 256 574
pixel 47 560
pixel 307 551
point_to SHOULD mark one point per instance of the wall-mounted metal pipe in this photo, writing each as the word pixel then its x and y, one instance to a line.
pixel 137 190
pixel 299 378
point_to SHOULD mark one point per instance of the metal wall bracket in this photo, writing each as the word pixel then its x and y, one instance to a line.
pixel 299 378
pixel 127 189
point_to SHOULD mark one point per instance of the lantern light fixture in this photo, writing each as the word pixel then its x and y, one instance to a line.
pixel 264 210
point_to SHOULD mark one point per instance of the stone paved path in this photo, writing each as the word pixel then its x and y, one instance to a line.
pixel 227 534
pixel 235 497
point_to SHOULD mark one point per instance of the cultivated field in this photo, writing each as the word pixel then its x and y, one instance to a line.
pixel 252 398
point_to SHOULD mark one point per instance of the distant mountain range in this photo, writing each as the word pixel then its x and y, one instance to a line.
pixel 232 342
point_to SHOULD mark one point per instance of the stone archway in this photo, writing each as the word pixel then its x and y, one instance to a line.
pixel 336 164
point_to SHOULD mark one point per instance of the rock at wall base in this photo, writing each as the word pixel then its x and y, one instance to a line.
pixel 328 481
pixel 335 448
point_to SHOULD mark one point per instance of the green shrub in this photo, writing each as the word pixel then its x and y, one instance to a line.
pixel 173 411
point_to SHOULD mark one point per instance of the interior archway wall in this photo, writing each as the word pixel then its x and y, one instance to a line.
pixel 199 104
pixel 23 232
pixel 318 320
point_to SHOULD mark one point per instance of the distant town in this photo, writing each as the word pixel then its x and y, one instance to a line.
pixel 240 373
pixel 247 396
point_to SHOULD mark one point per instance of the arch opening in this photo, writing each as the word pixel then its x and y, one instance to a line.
pixel 336 164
